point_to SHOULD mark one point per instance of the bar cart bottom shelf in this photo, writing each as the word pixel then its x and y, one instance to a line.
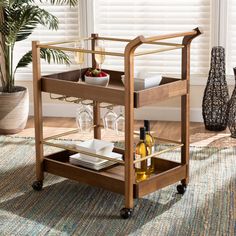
pixel 112 179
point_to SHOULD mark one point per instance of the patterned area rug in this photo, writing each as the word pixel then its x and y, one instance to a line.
pixel 66 207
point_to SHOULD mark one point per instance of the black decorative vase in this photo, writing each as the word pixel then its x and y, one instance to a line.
pixel 216 95
pixel 232 111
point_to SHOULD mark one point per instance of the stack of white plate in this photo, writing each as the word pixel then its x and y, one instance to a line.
pixel 145 81
pixel 95 146
pixel 93 162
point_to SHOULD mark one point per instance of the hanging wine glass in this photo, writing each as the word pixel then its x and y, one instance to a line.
pixel 84 118
pixel 109 119
pixel 89 106
pixel 79 56
pixel 77 115
pixel 100 58
pixel 120 123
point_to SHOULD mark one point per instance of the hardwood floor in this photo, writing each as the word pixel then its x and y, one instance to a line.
pixel 165 129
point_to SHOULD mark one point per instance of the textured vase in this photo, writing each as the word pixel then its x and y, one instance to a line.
pixel 232 111
pixel 14 110
pixel 216 95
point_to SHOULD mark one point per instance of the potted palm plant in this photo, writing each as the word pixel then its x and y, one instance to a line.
pixel 18 19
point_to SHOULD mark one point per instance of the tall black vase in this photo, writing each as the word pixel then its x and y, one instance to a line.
pixel 216 95
pixel 232 111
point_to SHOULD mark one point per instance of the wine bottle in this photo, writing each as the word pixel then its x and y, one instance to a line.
pixel 150 144
pixel 142 169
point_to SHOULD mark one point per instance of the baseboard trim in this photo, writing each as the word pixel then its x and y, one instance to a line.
pixel 150 113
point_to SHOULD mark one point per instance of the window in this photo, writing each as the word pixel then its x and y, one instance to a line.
pixel 231 37
pixel 68 30
pixel 127 18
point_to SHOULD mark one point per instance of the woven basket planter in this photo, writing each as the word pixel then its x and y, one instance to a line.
pixel 14 110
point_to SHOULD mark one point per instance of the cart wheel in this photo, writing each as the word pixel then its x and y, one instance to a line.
pixel 126 213
pixel 37 185
pixel 181 188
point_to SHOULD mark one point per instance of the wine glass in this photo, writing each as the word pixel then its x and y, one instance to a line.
pixel 89 105
pixel 99 58
pixel 84 118
pixel 79 56
pixel 120 123
pixel 109 118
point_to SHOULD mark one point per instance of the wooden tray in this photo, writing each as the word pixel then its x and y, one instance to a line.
pixel 66 84
pixel 168 172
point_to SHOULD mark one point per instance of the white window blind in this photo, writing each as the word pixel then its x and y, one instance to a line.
pixel 231 37
pixel 68 30
pixel 127 18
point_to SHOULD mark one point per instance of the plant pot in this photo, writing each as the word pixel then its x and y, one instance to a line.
pixel 14 110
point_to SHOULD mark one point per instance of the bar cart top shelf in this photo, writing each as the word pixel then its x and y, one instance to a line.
pixel 65 83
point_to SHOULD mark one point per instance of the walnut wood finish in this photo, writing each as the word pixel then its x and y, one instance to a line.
pixel 191 34
pixel 185 103
pixel 96 105
pixel 129 120
pixel 168 88
pixel 113 179
pixel 38 111
pixel 66 84
pixel 59 165
pixel 160 181
pixel 111 94
pixel 118 179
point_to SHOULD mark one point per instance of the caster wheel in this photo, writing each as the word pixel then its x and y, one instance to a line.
pixel 37 185
pixel 126 213
pixel 181 188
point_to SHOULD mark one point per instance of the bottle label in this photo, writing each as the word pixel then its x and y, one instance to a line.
pixel 153 149
pixel 138 164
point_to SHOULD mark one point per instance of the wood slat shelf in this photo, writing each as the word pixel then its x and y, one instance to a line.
pixel 168 88
pixel 112 178
pixel 66 84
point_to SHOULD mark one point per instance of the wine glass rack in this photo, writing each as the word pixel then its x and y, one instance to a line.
pixel 121 177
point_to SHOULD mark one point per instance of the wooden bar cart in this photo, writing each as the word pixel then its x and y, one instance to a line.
pixel 120 178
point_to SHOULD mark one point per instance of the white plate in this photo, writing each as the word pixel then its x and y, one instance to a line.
pixel 89 162
pixel 96 146
pixel 141 83
pixel 93 160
